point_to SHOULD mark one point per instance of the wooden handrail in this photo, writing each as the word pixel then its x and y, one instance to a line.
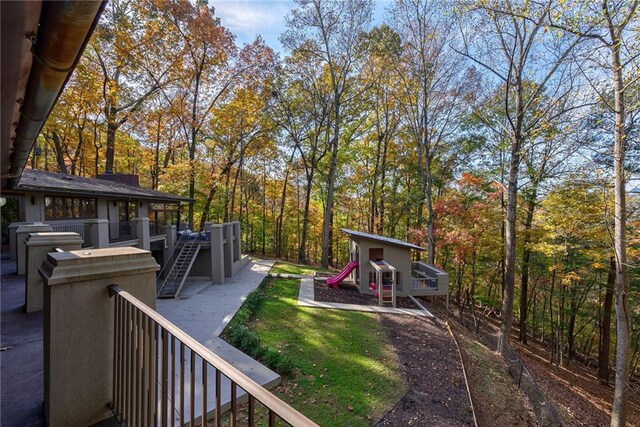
pixel 253 389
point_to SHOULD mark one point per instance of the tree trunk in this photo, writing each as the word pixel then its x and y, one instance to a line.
pixel 333 166
pixel 510 226
pixel 510 249
pixel 283 200
pixel 605 326
pixel 623 328
pixel 526 257
pixel 264 208
pixel 192 142
pixel 112 128
pixel 59 152
pixel 302 250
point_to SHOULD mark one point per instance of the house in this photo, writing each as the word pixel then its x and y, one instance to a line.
pixel 383 260
pixel 99 304
pixel 112 210
pixel 72 203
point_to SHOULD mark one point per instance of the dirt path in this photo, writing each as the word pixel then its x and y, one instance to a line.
pixel 437 393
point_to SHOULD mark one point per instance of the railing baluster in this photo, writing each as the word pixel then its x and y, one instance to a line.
pixel 132 367
pixel 134 373
pixel 165 377
pixel 123 307
pixel 127 373
pixel 144 375
pixel 252 410
pixel 173 381
pixel 204 392
pixel 154 376
pixel 182 363
pixel 115 401
pixel 234 416
pixel 192 393
pixel 218 393
pixel 140 363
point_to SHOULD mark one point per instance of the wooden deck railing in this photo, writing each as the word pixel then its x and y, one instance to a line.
pixel 154 375
pixel 73 227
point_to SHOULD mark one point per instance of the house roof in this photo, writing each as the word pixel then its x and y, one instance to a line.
pixel 60 183
pixel 42 41
pixel 388 240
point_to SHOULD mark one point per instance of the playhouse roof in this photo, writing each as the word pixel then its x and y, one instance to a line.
pixel 388 240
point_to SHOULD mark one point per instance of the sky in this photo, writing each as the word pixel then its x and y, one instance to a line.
pixel 248 18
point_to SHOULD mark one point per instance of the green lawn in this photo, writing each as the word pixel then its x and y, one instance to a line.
pixel 346 371
pixel 282 267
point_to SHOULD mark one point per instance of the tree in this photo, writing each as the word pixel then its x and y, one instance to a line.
pixel 525 76
pixel 302 112
pixel 383 49
pixel 607 24
pixel 434 89
pixel 329 30
pixel 129 47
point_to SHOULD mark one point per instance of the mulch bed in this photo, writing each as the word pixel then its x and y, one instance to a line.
pixel 348 293
pixel 437 394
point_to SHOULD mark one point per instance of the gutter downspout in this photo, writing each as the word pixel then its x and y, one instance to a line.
pixel 65 30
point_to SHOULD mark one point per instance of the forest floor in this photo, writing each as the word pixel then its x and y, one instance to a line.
pixel 573 390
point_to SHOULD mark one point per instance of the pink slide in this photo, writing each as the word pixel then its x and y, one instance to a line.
pixel 334 281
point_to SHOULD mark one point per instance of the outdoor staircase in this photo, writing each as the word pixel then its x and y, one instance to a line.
pixel 176 277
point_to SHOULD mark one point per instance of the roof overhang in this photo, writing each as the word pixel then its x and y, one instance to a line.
pixel 41 44
pixel 382 239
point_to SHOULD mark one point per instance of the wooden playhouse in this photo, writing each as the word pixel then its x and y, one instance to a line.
pixel 388 263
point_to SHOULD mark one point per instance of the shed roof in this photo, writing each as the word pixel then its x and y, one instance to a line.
pixel 388 240
pixel 60 183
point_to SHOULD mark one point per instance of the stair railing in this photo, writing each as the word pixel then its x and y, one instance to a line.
pixel 170 261
pixel 178 264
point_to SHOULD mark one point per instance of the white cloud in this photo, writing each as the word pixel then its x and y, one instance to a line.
pixel 250 15
pixel 248 18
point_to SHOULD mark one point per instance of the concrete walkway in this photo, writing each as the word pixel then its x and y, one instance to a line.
pixel 306 298
pixel 203 312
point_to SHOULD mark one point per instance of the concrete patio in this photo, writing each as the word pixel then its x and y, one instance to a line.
pixel 203 314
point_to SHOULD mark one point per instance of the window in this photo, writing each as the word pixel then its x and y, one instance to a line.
pixel 69 207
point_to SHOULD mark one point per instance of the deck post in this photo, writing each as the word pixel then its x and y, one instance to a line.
pixel 21 249
pixel 38 246
pixel 141 227
pixel 217 253
pixel 79 327
pixel 98 232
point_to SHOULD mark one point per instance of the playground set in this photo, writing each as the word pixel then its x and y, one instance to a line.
pixel 384 267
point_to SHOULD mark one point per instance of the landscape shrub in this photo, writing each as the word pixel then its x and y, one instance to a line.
pixel 247 341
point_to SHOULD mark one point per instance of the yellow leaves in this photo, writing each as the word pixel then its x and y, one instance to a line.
pixel 569 278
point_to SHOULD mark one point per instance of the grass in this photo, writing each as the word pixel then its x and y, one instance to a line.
pixel 346 372
pixel 282 267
